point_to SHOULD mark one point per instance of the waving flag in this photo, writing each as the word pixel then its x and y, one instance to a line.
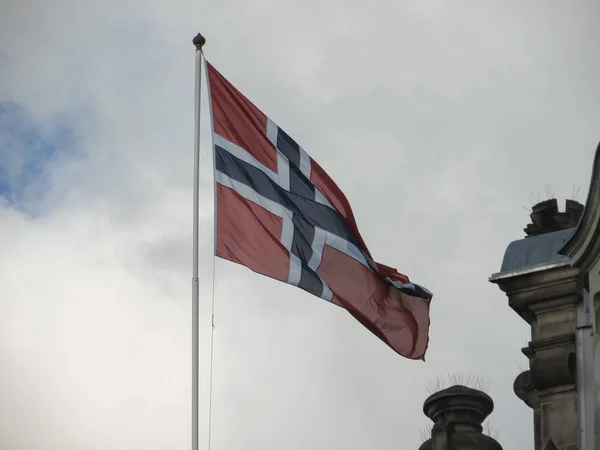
pixel 281 215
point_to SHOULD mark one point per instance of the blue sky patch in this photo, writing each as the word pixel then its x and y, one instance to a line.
pixel 28 151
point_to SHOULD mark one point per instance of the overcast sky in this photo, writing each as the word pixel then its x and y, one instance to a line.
pixel 440 120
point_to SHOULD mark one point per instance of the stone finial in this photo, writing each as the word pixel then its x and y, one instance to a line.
pixel 459 403
pixel 458 413
pixel 546 218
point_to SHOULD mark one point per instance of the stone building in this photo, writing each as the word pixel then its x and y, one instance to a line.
pixel 457 414
pixel 552 280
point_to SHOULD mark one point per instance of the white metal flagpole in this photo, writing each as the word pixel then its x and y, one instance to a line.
pixel 198 41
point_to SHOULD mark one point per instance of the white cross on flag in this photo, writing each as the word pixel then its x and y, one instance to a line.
pixel 281 215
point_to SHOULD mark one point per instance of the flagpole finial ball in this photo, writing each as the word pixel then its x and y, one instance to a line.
pixel 199 41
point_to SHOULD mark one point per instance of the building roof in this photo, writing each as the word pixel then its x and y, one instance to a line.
pixel 534 253
pixel 578 246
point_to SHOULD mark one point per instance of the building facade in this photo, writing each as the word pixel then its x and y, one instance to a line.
pixel 552 280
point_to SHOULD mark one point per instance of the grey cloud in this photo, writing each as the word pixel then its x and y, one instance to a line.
pixel 437 121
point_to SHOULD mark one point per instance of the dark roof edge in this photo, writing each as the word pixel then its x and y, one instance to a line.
pixel 584 246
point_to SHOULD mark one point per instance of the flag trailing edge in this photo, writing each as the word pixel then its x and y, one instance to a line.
pixel 279 214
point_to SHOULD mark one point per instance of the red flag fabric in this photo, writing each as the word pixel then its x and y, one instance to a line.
pixel 280 215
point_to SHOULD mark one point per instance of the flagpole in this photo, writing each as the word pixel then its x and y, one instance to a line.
pixel 198 42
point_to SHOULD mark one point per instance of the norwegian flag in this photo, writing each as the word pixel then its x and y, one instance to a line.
pixel 281 215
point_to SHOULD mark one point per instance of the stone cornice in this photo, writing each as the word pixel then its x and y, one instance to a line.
pixel 584 246
pixel 534 281
pixel 567 339
pixel 532 293
pixel 528 352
